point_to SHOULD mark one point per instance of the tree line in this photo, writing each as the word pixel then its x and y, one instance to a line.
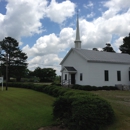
pixel 124 48
pixel 44 74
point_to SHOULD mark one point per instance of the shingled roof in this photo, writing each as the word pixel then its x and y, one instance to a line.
pixel 98 56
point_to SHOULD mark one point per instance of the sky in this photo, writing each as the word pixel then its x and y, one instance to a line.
pixel 45 29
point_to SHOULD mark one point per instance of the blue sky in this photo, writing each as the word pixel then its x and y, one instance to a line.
pixel 45 29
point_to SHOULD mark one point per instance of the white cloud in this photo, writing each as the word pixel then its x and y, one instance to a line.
pixel 59 12
pixel 117 43
pixel 115 7
pixel 100 31
pixel 89 5
pixel 45 60
pixel 48 44
pixel 1 17
pixel 119 24
pixel 67 36
pixel 110 13
pixel 117 4
pixel 2 33
pixel 91 35
pixel 22 18
pixel 51 44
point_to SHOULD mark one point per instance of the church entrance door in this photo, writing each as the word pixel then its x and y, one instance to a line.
pixel 72 78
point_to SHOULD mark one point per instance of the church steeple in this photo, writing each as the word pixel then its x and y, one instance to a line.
pixel 77 40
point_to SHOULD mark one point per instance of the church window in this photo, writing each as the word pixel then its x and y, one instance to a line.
pixel 106 75
pixel 118 75
pixel 81 76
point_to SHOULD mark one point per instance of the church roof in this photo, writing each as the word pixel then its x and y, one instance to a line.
pixel 98 56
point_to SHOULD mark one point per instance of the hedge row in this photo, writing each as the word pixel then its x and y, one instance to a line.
pixel 91 88
pixel 78 110
pixel 52 90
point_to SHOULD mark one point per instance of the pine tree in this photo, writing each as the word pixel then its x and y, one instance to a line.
pixel 14 57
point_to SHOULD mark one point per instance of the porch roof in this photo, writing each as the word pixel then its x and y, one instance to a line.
pixel 69 69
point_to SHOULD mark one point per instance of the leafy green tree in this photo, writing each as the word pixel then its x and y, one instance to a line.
pixel 125 48
pixel 49 74
pixel 13 57
pixel 38 73
pixel 45 74
pixel 108 48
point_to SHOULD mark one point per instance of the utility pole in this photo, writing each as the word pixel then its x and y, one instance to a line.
pixel 6 71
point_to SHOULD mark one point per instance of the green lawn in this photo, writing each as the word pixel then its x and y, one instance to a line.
pixel 23 109
pixel 120 102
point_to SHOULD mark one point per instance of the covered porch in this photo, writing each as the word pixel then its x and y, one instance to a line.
pixel 68 75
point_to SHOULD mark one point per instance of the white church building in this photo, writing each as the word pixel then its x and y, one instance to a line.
pixel 95 68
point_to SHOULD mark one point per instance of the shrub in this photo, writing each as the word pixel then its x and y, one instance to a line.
pixel 80 111
pixel 62 107
pixel 90 113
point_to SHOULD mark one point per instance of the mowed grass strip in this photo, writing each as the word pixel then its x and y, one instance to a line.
pixel 120 102
pixel 23 109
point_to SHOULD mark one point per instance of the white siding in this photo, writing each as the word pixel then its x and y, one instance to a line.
pixel 96 74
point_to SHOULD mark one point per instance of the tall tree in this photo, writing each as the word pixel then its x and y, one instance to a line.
pixel 14 57
pixel 108 48
pixel 125 48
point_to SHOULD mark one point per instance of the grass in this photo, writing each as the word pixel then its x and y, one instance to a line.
pixel 120 102
pixel 23 109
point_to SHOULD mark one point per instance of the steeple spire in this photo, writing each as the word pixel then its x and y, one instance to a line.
pixel 77 40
